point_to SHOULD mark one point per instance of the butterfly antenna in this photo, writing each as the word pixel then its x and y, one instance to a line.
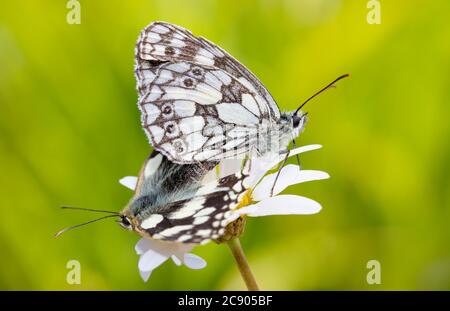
pixel 89 209
pixel 83 224
pixel 330 85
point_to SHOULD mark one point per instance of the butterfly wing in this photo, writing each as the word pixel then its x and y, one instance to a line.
pixel 195 98
pixel 201 218
pixel 164 42
pixel 193 113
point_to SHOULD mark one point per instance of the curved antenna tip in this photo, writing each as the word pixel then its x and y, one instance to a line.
pixel 330 85
pixel 83 224
pixel 57 234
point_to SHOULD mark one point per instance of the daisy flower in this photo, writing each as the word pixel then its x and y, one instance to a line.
pixel 257 202
pixel 153 253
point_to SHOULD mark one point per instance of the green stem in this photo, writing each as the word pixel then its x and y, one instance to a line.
pixel 241 261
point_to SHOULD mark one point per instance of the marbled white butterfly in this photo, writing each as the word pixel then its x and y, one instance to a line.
pixel 199 106
pixel 198 103
pixel 180 203
pixel 175 202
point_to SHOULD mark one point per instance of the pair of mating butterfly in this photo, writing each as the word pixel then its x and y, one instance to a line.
pixel 199 106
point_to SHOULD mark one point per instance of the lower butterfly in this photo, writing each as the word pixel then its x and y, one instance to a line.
pixel 182 203
pixel 179 203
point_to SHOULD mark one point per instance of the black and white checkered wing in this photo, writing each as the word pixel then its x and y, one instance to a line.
pixel 193 113
pixel 201 218
pixel 164 42
pixel 192 92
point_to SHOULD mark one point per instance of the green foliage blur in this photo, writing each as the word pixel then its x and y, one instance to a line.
pixel 70 129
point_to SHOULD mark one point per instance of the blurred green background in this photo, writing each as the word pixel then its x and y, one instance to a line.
pixel 69 129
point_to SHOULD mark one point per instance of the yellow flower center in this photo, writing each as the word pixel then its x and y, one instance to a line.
pixel 246 200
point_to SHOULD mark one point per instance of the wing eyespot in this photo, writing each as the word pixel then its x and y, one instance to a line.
pixel 167 110
pixel 197 72
pixel 188 82
pixel 179 146
pixel 169 51
pixel 171 129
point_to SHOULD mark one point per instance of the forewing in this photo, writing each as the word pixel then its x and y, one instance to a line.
pixel 163 42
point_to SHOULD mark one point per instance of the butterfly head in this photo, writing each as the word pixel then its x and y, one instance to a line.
pixel 132 222
pixel 126 222
pixel 291 125
pixel 131 216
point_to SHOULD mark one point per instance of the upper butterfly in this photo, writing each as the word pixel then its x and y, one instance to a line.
pixel 198 103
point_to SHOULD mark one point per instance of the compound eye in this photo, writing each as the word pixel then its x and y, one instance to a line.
pixel 125 222
pixel 296 121
pixel 299 120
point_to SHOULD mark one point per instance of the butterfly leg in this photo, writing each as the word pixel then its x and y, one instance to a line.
pixel 278 173
pixel 298 158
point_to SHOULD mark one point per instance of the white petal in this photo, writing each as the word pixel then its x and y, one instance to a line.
pixel 142 246
pixel 309 175
pixel 129 182
pixel 248 209
pixel 303 149
pixel 285 205
pixel 164 247
pixel 145 275
pixel 260 166
pixel 235 215
pixel 193 261
pixel 155 252
pixel 150 260
pixel 287 175
pixel 176 260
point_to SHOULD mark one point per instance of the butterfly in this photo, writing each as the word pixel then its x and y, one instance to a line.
pixel 198 103
pixel 198 106
pixel 182 203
